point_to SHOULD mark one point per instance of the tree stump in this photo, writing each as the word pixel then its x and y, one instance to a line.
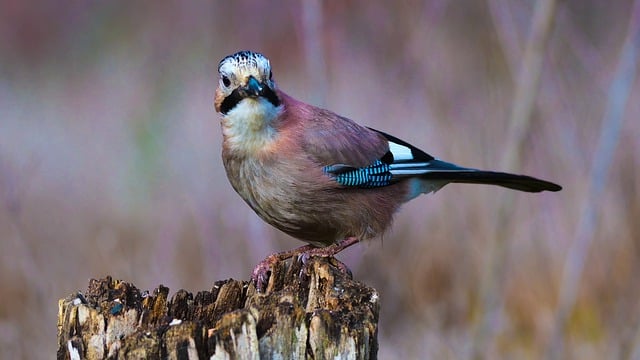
pixel 310 310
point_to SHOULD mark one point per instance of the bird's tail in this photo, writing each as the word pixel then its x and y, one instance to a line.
pixel 442 172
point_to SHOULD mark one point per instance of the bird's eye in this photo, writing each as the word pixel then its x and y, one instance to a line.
pixel 270 75
pixel 226 81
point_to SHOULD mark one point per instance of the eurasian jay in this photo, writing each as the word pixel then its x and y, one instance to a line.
pixel 316 175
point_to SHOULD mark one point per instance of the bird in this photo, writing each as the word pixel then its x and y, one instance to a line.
pixel 320 177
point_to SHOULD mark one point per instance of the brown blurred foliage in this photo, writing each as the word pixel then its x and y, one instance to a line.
pixel 110 160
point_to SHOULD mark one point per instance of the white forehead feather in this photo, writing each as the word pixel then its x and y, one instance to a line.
pixel 245 61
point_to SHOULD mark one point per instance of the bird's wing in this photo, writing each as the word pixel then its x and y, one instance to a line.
pixel 332 140
pixel 397 160
pixel 357 156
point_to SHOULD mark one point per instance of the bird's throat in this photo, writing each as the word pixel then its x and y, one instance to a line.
pixel 249 126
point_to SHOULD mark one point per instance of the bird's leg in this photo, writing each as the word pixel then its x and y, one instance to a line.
pixel 330 251
pixel 261 272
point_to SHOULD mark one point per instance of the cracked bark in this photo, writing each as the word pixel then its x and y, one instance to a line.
pixel 311 311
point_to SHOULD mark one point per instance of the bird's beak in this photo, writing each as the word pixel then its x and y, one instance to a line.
pixel 253 87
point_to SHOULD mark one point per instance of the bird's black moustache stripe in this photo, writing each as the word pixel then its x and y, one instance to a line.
pixel 238 94
pixel 271 96
pixel 231 101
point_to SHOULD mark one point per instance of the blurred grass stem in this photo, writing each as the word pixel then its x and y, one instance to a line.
pixel 527 85
pixel 313 49
pixel 617 98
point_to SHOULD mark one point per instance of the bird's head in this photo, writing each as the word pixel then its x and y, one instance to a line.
pixel 245 77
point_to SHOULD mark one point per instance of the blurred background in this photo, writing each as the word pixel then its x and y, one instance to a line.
pixel 110 161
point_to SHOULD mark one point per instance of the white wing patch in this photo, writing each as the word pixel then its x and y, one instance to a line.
pixel 400 152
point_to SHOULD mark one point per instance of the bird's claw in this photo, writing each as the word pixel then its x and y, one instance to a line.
pixel 262 272
pixel 307 255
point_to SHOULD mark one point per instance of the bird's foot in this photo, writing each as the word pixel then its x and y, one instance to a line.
pixel 329 252
pixel 262 271
pixel 306 256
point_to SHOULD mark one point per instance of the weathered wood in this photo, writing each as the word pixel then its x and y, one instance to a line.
pixel 311 311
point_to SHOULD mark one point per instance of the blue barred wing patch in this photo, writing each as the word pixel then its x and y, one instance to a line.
pixel 375 175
